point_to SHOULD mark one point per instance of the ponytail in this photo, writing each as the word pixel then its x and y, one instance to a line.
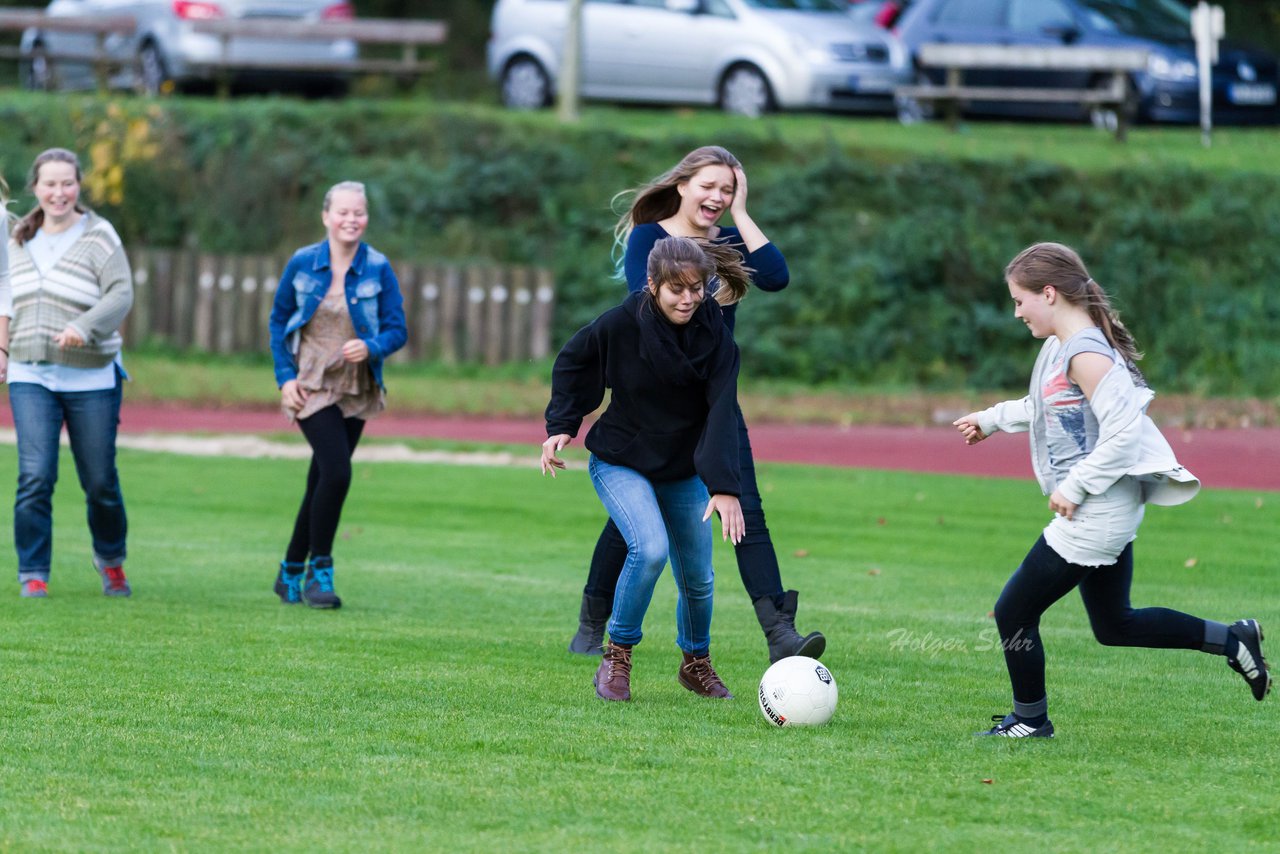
pixel 1118 336
pixel 733 273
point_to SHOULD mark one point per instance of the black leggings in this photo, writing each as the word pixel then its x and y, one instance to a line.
pixel 757 560
pixel 1045 577
pixel 333 440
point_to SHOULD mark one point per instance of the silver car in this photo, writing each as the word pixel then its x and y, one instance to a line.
pixel 748 56
pixel 164 52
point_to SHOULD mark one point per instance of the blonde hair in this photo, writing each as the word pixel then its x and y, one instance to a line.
pixel 678 259
pixel 30 224
pixel 343 186
pixel 659 198
pixel 1055 264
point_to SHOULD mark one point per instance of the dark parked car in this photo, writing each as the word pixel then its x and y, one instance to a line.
pixel 1244 80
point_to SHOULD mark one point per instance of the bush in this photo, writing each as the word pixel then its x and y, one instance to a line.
pixel 896 266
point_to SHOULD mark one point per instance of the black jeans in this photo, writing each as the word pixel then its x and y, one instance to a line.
pixel 333 440
pixel 757 561
pixel 1045 577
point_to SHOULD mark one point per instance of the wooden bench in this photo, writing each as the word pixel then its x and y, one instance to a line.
pixel 409 35
pixel 100 28
pixel 1113 65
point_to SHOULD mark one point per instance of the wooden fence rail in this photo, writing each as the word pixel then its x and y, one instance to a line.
pixel 486 314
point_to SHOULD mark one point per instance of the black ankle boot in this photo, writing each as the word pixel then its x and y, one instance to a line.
pixel 779 625
pixel 592 617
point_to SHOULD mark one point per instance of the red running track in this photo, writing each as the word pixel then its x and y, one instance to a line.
pixel 1222 459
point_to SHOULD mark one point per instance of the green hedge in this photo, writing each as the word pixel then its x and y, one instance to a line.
pixel 895 261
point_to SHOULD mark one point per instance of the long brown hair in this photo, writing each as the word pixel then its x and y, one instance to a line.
pixel 30 224
pixel 659 198
pixel 1058 265
pixel 674 259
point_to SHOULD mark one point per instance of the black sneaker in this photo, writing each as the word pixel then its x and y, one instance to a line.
pixel 317 586
pixel 288 584
pixel 1249 662
pixel 1010 727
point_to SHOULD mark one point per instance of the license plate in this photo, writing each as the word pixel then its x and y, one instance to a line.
pixel 853 82
pixel 1252 93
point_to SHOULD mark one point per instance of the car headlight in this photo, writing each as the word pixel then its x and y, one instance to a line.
pixel 1164 68
pixel 807 50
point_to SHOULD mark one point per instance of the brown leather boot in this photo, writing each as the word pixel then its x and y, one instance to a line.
pixel 613 677
pixel 700 677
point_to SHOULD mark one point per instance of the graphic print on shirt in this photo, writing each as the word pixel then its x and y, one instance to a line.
pixel 1064 413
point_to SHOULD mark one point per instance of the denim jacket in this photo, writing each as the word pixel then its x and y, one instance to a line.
pixel 373 300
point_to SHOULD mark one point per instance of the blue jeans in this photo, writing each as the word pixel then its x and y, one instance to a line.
pixel 658 520
pixel 91 418
pixel 757 561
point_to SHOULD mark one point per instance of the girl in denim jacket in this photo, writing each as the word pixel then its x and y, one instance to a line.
pixel 337 316
pixel 1100 460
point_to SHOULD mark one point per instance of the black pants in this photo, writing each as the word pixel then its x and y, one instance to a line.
pixel 333 440
pixel 1045 577
pixel 757 561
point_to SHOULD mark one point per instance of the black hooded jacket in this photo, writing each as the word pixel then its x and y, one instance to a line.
pixel 672 413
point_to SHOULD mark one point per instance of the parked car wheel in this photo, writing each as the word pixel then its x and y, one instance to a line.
pixel 38 72
pixel 745 91
pixel 525 86
pixel 153 74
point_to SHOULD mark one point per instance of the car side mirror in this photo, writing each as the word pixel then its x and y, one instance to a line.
pixel 1066 33
pixel 689 7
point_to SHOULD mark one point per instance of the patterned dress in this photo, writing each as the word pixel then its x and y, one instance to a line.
pixel 324 374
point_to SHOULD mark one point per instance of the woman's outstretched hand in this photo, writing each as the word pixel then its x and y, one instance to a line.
pixel 732 525
pixel 968 427
pixel 550 462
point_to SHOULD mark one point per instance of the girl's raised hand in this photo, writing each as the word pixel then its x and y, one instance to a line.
pixel 550 462
pixel 738 207
pixel 968 427
pixel 732 525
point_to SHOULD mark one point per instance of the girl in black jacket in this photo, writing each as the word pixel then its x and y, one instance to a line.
pixel 664 455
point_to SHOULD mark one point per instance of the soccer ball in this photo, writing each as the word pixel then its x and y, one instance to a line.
pixel 798 691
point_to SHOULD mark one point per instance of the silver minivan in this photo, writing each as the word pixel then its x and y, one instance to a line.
pixel 165 52
pixel 748 56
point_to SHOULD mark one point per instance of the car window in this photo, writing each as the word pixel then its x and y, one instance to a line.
pixel 654 4
pixel 719 8
pixel 1162 20
pixel 1037 15
pixel 972 13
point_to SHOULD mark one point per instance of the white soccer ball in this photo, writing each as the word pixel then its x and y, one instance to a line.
pixel 798 691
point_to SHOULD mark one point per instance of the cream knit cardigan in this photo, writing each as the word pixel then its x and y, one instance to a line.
pixel 90 289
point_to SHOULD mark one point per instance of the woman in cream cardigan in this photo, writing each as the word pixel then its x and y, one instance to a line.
pixel 69 290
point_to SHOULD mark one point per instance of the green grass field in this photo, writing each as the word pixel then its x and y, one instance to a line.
pixel 438 710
